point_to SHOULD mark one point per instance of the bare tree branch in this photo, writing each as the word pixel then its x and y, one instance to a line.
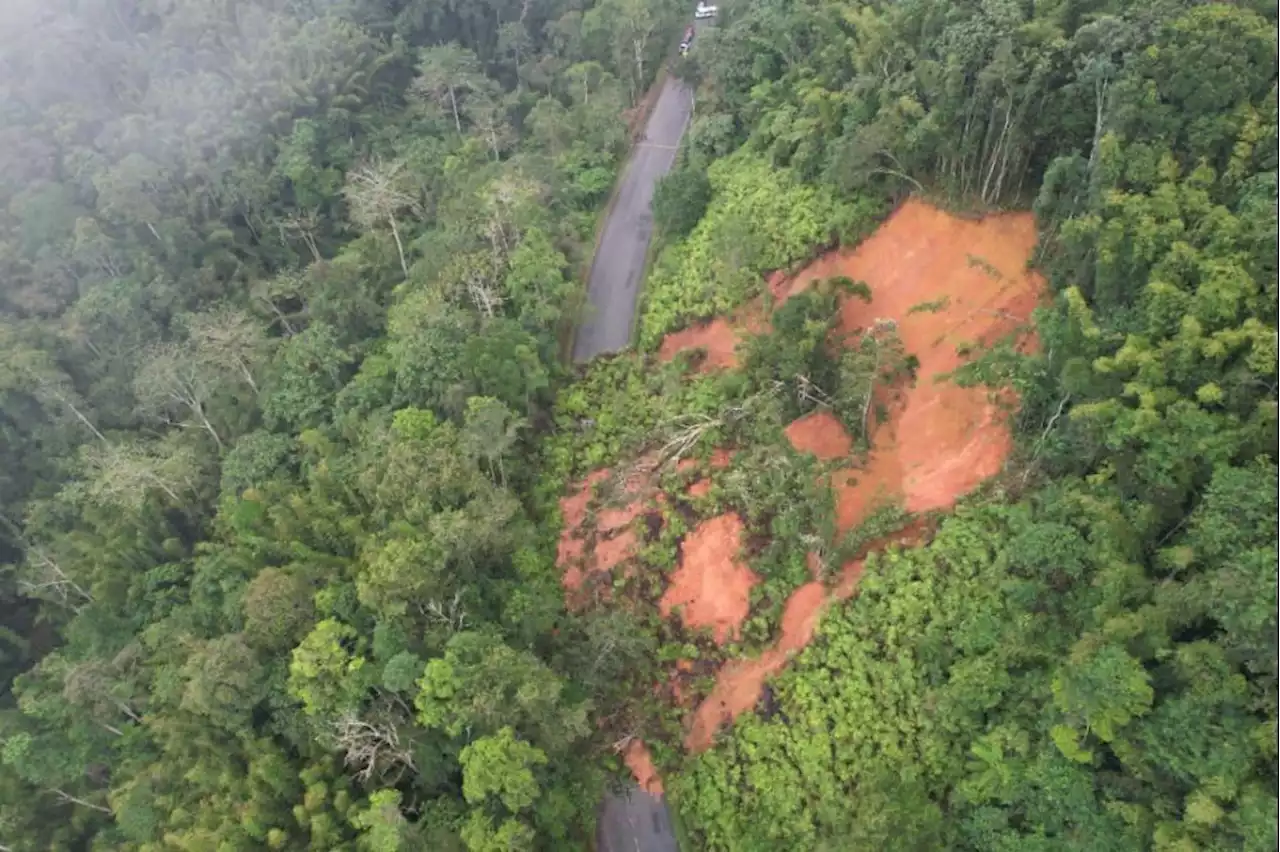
pixel 73 800
pixel 369 748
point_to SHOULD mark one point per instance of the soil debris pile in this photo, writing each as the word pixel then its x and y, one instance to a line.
pixel 592 544
pixel 718 337
pixel 571 551
pixel 637 758
pixel 712 587
pixel 950 285
pixel 821 434
pixel 740 682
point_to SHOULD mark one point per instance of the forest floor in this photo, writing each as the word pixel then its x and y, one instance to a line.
pixel 953 287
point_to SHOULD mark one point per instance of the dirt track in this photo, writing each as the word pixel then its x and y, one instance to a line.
pixel 614 284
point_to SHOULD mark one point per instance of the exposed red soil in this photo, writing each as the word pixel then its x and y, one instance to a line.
pixel 610 520
pixel 587 549
pixel 637 758
pixel 574 507
pixel 719 460
pixel 739 682
pixel 718 337
pixel 944 439
pixel 941 440
pixel 701 488
pixel 820 433
pixel 612 551
pixel 969 286
pixel 851 572
pixel 712 586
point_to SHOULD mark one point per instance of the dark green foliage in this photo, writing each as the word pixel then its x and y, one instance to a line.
pixel 283 288
pixel 282 424
pixel 680 199
pixel 1092 665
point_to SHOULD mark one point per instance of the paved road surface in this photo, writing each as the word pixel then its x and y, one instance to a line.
pixel 635 821
pixel 614 284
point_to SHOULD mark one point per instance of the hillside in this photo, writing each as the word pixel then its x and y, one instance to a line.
pixel 934 507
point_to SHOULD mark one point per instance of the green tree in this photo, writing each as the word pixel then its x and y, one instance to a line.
pixel 501 766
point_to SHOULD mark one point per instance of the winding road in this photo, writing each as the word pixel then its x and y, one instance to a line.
pixel 613 288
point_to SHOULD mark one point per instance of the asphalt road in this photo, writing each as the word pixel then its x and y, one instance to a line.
pixel 614 284
pixel 635 821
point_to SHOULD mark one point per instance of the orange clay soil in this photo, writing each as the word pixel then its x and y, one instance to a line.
pixel 719 459
pixel 640 762
pixel 712 587
pixel 739 682
pixel 820 433
pixel 940 440
pixel 613 540
pixel 720 337
pixel 944 439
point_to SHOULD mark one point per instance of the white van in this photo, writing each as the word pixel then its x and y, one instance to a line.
pixel 704 11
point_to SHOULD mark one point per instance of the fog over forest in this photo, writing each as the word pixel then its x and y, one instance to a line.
pixel 291 450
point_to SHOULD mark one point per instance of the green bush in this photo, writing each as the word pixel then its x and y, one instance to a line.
pixel 760 218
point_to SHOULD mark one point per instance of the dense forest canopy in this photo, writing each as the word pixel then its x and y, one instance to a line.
pixel 1089 662
pixel 285 287
pixel 284 418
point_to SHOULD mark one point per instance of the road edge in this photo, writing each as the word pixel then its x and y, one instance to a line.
pixel 581 300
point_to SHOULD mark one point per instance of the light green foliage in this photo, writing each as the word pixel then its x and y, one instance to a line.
pixel 1104 687
pixel 382 825
pixel 324 674
pixel 401 572
pixel 536 282
pixel 900 729
pixel 620 407
pixel 1084 667
pixel 483 685
pixel 760 218
pixel 501 766
pixel 511 835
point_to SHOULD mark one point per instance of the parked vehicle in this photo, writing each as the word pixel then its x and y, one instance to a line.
pixel 705 11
